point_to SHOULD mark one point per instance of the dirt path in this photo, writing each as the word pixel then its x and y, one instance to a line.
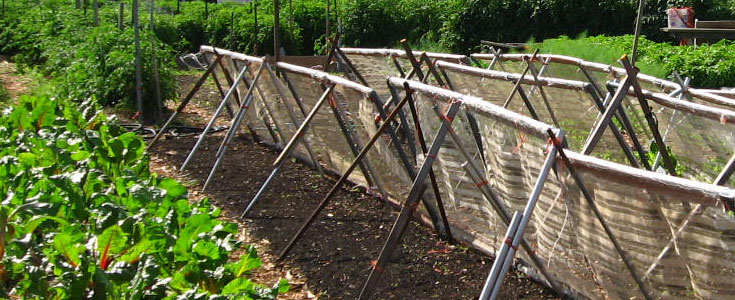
pixel 16 84
pixel 333 258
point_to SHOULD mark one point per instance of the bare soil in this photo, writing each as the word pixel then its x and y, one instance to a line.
pixel 16 84
pixel 333 258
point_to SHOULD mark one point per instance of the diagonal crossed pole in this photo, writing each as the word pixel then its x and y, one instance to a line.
pixel 614 106
pixel 226 141
pixel 535 73
pixel 721 179
pixel 504 260
pixel 286 152
pixel 325 201
pixel 616 131
pixel 234 126
pixel 188 98
pixel 596 94
pixel 409 207
pixel 591 203
pixel 217 112
pixel 435 213
pixel 648 114
pixel 518 83
pixel 280 89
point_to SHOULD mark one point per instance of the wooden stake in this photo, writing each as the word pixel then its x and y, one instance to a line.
pixel 138 71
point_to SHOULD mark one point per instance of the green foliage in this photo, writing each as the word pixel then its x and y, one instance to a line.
pixel 498 20
pixel 82 217
pixel 605 49
pixel 370 23
pixel 4 96
pixel 84 60
pixel 232 26
pixel 654 151
pixel 104 65
pixel 709 66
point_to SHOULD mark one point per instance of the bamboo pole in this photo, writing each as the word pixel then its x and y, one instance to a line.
pixel 637 32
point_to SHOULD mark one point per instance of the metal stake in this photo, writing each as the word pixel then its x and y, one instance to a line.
pixel 504 263
pixel 214 117
pixel 491 284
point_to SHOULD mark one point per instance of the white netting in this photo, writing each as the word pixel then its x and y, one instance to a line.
pixel 642 208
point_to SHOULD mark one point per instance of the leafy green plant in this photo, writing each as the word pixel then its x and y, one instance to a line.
pixel 709 66
pixel 4 96
pixel 82 216
pixel 654 151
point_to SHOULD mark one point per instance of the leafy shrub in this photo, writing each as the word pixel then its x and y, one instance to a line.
pixel 383 23
pixel 4 96
pixel 86 61
pixel 82 216
pixel 499 20
pixel 104 66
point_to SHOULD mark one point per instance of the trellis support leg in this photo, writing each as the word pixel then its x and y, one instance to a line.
pixel 386 125
pixel 286 152
pixel 214 117
pixel 557 142
pixel 183 103
pixel 417 189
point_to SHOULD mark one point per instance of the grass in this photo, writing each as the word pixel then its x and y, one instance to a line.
pixel 596 50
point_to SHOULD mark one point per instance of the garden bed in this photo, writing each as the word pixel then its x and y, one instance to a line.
pixel 334 257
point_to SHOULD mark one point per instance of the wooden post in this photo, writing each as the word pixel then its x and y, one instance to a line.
pixel 276 29
pixel 326 36
pixel 255 24
pixel 158 116
pixel 637 33
pixel 96 8
pixel 121 16
pixel 138 71
pixel 178 6
pixel 206 9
